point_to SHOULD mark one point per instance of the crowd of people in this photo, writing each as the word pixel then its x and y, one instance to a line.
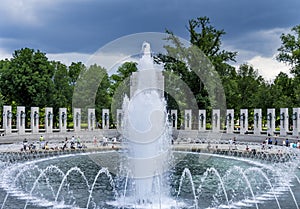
pixel 75 143
pixel 72 143
pixel 269 142
pixel 42 144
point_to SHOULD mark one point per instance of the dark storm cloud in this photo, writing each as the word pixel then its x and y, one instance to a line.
pixel 84 26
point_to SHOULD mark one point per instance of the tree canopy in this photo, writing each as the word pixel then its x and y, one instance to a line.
pixel 27 78
pixel 203 65
pixel 289 52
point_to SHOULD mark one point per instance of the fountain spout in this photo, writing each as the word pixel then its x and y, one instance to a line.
pixel 146 49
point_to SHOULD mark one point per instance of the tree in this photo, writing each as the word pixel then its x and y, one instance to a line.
pixel 120 86
pixel 282 91
pixel 120 83
pixel 87 87
pixel 231 89
pixel 62 95
pixel 27 79
pixel 74 72
pixel 123 73
pixel 296 88
pixel 289 51
pixel 249 85
pixel 202 66
pixel 103 98
pixel 4 65
pixel 208 39
pixel 63 90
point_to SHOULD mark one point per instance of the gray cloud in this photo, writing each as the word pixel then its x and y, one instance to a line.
pixel 84 26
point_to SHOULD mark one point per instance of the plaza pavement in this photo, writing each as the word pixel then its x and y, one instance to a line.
pixel 202 143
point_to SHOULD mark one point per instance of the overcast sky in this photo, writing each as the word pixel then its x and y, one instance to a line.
pixel 71 30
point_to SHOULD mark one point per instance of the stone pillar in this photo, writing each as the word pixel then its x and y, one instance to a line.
pixel 284 121
pixel 174 119
pixel 257 121
pixel 271 121
pixel 119 118
pixel 215 120
pixel 91 119
pixel 187 119
pixel 105 118
pixel 63 119
pixel 202 120
pixel 7 118
pixel 296 121
pixel 77 119
pixel 48 119
pixel 230 121
pixel 21 115
pixel 244 121
pixel 34 120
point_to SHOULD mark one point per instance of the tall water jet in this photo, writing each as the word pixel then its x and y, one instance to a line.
pixel 145 131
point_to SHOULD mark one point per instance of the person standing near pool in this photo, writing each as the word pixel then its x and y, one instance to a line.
pixel 25 144
pixel 42 143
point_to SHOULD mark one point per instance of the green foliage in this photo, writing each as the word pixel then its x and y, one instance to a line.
pixel 63 91
pixel 289 52
pixel 208 39
pixel 30 79
pixel 120 84
pixel 119 87
pixel 249 84
pixel 27 79
pixel 201 66
pixel 103 98
pixel 87 89
pixel 282 91
pixel 74 71
pixel 122 75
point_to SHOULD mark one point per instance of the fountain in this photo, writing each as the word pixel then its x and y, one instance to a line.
pixel 146 133
pixel 148 172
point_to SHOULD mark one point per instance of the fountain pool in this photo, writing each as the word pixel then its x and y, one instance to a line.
pixel 95 180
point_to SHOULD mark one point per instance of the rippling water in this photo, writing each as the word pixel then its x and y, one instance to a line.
pixel 195 180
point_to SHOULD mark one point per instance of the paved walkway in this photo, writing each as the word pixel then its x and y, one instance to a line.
pixel 54 145
pixel 91 146
pixel 186 140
